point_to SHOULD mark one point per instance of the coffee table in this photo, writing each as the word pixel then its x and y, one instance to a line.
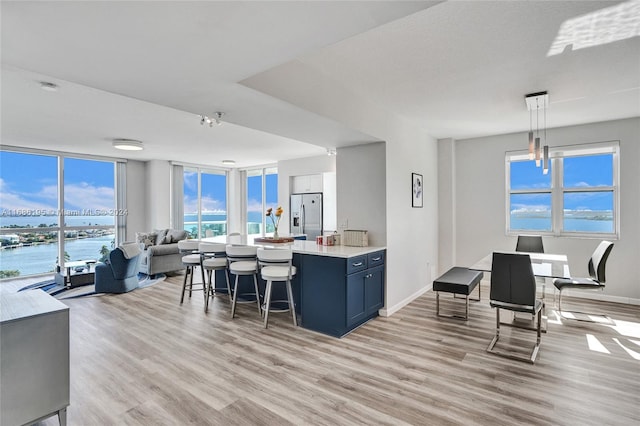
pixel 69 280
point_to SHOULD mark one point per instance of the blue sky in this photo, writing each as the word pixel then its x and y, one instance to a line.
pixel 29 182
pixel 592 170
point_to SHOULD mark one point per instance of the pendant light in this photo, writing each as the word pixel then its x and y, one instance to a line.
pixel 537 101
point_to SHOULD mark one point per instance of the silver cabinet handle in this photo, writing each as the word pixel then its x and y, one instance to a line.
pixel 357 264
pixel 375 259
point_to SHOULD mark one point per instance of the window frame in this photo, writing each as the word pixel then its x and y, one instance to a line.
pixel 199 170
pixel 119 200
pixel 558 191
pixel 261 171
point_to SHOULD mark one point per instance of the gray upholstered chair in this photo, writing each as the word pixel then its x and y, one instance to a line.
pixel 596 280
pixel 513 287
pixel 120 273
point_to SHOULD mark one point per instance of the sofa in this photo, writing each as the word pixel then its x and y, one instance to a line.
pixel 161 253
pixel 120 273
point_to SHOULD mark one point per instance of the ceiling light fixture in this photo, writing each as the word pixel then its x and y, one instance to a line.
pixel 538 101
pixel 217 118
pixel 128 144
pixel 331 151
pixel 228 162
pixel 48 86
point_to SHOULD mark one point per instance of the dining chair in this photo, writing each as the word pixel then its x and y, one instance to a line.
pixel 213 257
pixel 530 244
pixel 533 244
pixel 243 260
pixel 276 266
pixel 513 287
pixel 595 281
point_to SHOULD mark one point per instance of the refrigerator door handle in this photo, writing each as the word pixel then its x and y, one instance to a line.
pixel 302 216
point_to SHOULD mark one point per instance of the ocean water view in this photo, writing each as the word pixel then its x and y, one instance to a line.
pixel 569 225
pixel 41 258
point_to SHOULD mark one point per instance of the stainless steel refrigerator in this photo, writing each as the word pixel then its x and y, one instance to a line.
pixel 306 214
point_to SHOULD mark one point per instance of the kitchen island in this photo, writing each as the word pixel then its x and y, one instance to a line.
pixel 340 287
pixel 336 288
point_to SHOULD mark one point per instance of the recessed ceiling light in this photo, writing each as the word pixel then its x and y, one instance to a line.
pixel 128 144
pixel 48 86
pixel 228 162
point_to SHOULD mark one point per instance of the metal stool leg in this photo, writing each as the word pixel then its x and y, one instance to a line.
pixel 255 285
pixel 291 304
pixel 184 284
pixel 267 302
pixel 235 296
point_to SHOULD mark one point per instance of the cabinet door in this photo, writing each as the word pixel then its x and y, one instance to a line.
pixel 356 297
pixel 374 289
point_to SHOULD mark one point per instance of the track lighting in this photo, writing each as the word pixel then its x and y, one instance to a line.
pixel 217 119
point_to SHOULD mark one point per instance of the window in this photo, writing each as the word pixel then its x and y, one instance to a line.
pixel 578 197
pixel 205 202
pixel 262 193
pixel 41 223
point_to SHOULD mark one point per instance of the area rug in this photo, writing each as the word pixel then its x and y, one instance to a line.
pixel 61 292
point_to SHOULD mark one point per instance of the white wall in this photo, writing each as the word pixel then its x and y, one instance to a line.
pixel 136 199
pixel 157 196
pixel 298 167
pixel 361 190
pixel 479 191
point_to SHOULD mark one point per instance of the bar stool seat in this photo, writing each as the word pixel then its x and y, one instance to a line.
pixel 190 260
pixel 242 260
pixel 276 265
pixel 213 257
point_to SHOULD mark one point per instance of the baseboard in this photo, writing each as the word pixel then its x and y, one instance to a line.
pixel 598 296
pixel 387 312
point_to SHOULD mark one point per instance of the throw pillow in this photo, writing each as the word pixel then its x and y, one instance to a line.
pixel 162 236
pixel 177 235
pixel 147 238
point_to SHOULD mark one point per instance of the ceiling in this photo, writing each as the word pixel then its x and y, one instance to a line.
pixel 147 70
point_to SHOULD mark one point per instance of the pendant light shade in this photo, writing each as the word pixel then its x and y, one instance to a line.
pixel 545 160
pixel 531 146
pixel 537 149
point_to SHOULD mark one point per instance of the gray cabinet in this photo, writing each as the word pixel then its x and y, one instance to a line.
pixel 34 348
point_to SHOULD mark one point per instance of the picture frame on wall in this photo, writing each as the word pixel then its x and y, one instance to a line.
pixel 417 186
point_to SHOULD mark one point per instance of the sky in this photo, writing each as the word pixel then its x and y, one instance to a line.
pixel 579 172
pixel 29 182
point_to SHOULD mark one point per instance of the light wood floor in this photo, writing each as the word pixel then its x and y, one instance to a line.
pixel 142 359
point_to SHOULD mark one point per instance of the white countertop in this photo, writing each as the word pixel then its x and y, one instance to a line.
pixel 310 247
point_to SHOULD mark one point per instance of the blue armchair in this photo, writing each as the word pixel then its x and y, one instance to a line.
pixel 120 273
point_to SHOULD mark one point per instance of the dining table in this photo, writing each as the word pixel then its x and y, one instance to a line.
pixel 544 265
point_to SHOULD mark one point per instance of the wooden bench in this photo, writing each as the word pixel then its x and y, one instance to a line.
pixel 457 280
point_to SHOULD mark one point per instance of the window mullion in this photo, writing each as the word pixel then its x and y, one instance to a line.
pixel 557 201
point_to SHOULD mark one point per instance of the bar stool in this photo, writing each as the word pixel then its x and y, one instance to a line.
pixel 190 260
pixel 276 266
pixel 242 260
pixel 213 258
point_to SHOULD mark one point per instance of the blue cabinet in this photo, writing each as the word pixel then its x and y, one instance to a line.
pixel 338 294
